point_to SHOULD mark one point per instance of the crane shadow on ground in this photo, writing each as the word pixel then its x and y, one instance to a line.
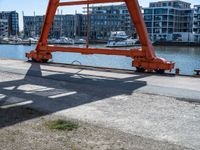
pixel 52 92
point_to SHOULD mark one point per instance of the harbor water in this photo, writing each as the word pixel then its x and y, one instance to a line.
pixel 187 58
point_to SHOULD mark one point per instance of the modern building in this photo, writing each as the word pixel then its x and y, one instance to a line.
pixel 104 19
pixel 196 27
pixel 33 25
pixel 13 21
pixel 170 20
pixel 3 28
pixel 63 25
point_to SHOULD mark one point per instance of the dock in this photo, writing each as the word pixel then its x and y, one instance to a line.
pixel 165 108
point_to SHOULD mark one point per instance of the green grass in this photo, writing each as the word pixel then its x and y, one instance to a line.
pixel 62 125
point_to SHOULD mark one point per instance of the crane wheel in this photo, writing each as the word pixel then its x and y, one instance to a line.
pixel 34 60
pixel 44 60
pixel 160 71
pixel 140 69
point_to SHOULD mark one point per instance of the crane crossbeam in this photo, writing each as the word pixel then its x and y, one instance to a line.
pixel 85 2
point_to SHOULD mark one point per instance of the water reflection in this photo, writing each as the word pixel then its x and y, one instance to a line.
pixel 186 58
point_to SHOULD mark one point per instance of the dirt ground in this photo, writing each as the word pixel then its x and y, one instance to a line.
pixel 31 133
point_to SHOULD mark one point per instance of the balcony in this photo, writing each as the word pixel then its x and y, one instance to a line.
pixel 196 12
pixel 196 26
pixel 196 19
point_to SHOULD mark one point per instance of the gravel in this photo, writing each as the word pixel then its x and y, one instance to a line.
pixel 34 134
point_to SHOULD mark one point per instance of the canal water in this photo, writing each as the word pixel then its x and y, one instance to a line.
pixel 186 58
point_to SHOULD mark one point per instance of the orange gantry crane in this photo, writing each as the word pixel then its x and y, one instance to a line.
pixel 144 58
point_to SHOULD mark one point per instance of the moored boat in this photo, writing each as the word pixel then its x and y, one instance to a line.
pixel 120 39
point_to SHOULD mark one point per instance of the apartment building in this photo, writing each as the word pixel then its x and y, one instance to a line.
pixel 107 18
pixel 33 25
pixel 63 25
pixel 196 26
pixel 13 21
pixel 3 28
pixel 170 20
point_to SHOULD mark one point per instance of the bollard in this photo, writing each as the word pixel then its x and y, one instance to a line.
pixel 197 71
pixel 177 71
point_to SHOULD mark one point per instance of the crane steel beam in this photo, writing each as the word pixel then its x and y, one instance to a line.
pixel 129 53
pixel 85 2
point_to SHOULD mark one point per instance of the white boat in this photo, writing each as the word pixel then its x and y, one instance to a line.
pixel 120 39
pixel 62 40
pixel 15 39
pixel 54 41
pixel 5 39
pixel 30 40
pixel 79 41
pixel 66 40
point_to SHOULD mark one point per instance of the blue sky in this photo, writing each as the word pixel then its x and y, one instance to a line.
pixel 39 6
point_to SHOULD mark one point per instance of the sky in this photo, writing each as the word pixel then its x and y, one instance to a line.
pixel 39 6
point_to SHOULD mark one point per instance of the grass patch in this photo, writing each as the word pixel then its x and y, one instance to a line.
pixel 62 125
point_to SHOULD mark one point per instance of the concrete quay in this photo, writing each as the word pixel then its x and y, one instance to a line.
pixel 162 108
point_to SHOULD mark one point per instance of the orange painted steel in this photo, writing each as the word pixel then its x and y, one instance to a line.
pixel 128 53
pixel 85 2
pixel 144 57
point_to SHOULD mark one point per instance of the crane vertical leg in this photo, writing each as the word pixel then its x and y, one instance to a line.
pixel 41 55
pixel 150 61
pixel 137 18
